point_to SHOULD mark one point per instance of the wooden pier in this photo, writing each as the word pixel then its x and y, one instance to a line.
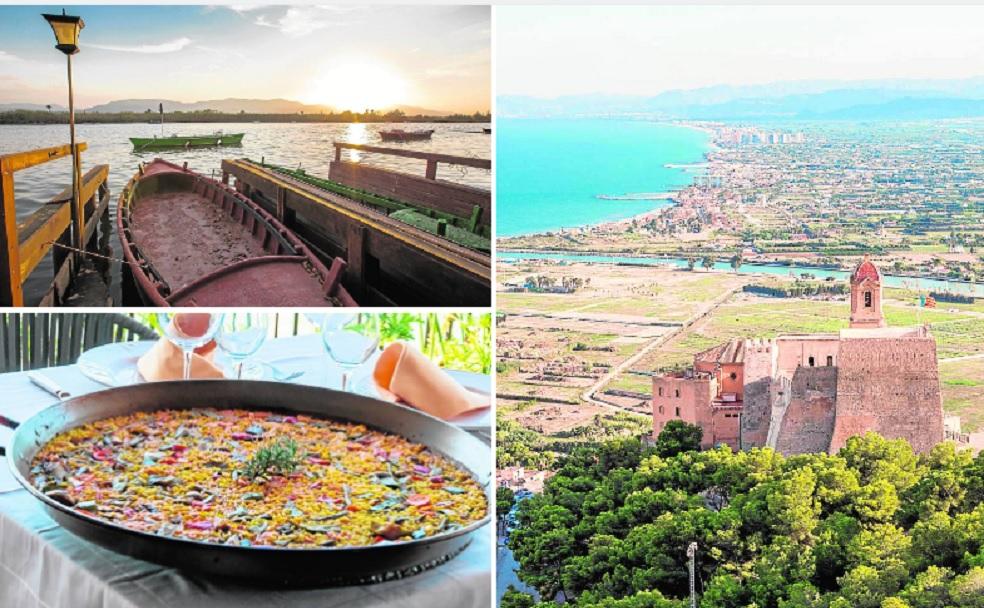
pixel 50 231
pixel 389 262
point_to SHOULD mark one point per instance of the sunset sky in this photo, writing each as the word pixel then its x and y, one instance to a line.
pixel 345 57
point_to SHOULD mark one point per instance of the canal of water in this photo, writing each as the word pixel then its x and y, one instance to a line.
pixel 888 280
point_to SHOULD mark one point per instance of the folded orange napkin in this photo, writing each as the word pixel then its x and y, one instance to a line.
pixel 405 373
pixel 165 361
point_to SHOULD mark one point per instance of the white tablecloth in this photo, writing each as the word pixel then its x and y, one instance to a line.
pixel 44 566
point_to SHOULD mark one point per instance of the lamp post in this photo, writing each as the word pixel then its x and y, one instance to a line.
pixel 691 567
pixel 66 29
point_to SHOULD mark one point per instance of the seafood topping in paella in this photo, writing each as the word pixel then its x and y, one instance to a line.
pixel 253 478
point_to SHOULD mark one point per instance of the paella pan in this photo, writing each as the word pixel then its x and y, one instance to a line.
pixel 388 519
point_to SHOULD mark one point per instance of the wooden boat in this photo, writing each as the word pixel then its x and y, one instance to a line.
pixel 218 138
pixel 465 231
pixel 401 135
pixel 193 241
pixel 487 130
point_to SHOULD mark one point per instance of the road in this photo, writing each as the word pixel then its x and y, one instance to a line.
pixel 589 394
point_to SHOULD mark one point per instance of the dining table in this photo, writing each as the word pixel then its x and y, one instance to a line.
pixel 43 565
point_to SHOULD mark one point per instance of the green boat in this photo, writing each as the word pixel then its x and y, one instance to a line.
pixel 186 141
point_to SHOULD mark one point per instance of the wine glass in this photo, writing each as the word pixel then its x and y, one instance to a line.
pixel 314 318
pixel 240 335
pixel 188 331
pixel 350 340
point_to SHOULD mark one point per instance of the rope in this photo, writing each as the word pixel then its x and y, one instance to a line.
pixel 95 255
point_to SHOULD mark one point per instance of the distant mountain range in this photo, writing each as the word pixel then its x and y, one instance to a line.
pixel 804 100
pixel 226 106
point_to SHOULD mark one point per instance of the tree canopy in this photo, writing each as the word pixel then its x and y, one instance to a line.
pixel 678 436
pixel 874 526
pixel 504 497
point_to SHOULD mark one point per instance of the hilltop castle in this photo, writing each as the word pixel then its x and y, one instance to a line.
pixel 810 393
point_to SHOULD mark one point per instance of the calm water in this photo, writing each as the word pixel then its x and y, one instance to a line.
pixel 307 145
pixel 550 172
pixel 975 289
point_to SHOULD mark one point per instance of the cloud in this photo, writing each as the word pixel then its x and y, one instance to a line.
pixel 5 56
pixel 171 46
pixel 300 21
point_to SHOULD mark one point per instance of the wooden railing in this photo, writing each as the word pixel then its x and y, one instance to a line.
pixel 440 195
pixel 432 158
pixel 50 228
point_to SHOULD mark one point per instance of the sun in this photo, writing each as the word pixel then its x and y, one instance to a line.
pixel 357 86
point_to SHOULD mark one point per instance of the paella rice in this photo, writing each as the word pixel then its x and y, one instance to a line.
pixel 253 478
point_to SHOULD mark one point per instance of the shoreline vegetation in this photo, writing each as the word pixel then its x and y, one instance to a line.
pixel 42 117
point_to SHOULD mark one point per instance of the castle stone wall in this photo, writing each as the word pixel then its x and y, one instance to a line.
pixel 793 352
pixel 724 426
pixel 890 386
pixel 808 422
pixel 757 410
pixel 687 399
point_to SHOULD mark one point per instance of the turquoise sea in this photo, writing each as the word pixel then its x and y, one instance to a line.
pixel 549 172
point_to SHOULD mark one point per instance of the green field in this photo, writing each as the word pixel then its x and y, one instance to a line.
pixel 958 334
pixel 963 392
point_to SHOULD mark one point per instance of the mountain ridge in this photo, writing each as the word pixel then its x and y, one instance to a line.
pixel 791 100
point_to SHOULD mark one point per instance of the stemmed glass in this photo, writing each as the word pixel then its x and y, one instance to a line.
pixel 350 340
pixel 188 331
pixel 240 335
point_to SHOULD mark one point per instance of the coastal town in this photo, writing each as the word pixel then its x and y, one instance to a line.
pixel 910 194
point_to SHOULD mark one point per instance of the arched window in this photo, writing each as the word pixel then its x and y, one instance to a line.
pixel 734 376
pixel 677 391
pixel 830 360
pixel 812 362
pixel 661 391
pixel 867 299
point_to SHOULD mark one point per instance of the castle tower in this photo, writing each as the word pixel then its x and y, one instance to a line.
pixel 866 296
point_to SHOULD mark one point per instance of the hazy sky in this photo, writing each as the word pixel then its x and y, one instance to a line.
pixel 373 56
pixel 552 51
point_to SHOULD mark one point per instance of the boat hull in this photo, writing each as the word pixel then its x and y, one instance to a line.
pixel 461 230
pixel 193 141
pixel 400 136
pixel 193 241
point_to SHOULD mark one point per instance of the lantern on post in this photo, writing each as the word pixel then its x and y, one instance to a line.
pixel 66 29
